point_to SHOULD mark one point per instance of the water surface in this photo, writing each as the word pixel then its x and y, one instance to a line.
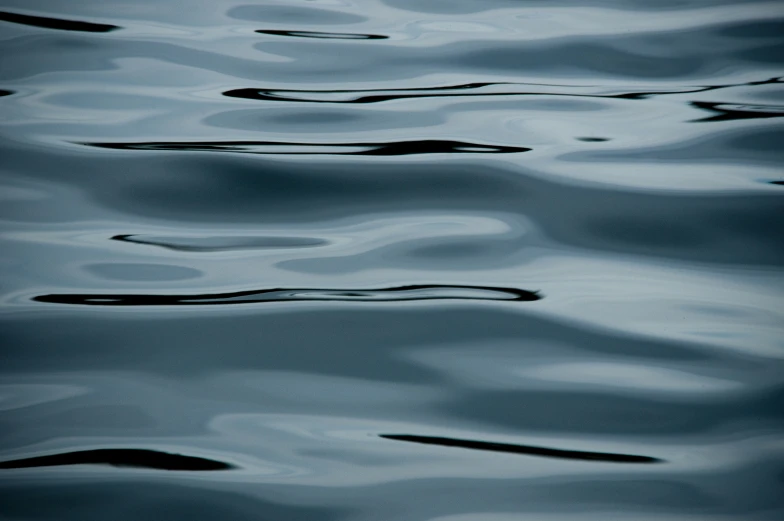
pixel 391 259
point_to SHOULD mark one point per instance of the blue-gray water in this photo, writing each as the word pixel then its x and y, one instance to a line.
pixel 447 260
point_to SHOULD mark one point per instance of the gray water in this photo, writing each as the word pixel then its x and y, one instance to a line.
pixel 391 260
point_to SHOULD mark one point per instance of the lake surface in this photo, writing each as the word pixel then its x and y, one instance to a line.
pixel 387 260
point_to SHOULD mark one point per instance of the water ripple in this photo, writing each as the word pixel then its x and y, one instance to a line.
pixel 730 112
pixel 472 90
pixel 56 23
pixel 403 293
pixel 399 148
pixel 522 449
pixel 322 35
pixel 585 195
pixel 136 458
pixel 221 243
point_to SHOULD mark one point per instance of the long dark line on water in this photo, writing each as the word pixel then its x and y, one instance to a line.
pixel 392 148
pixel 381 95
pixel 527 450
pixel 56 23
pixel 402 293
pixel 322 35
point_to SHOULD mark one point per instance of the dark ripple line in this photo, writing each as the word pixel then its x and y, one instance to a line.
pixel 731 112
pixel 137 458
pixel 523 449
pixel 392 148
pixel 329 36
pixel 235 243
pixel 56 23
pixel 365 96
pixel 402 293
pixel 280 94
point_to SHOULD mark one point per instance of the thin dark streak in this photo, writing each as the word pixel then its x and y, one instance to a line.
pixel 466 86
pixel 731 112
pixel 705 88
pixel 403 293
pixel 368 96
pixel 276 96
pixel 202 244
pixel 138 458
pixel 393 148
pixel 523 449
pixel 56 23
pixel 4 92
pixel 328 36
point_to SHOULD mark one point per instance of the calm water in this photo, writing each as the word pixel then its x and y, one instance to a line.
pixel 447 260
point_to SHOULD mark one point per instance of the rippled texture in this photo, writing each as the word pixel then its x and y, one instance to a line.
pixel 353 260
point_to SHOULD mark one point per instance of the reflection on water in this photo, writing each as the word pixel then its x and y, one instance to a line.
pixel 119 458
pixel 55 23
pixel 496 259
pixel 278 148
pixel 419 292
pixel 522 449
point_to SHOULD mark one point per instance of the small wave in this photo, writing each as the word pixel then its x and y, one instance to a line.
pixel 403 293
